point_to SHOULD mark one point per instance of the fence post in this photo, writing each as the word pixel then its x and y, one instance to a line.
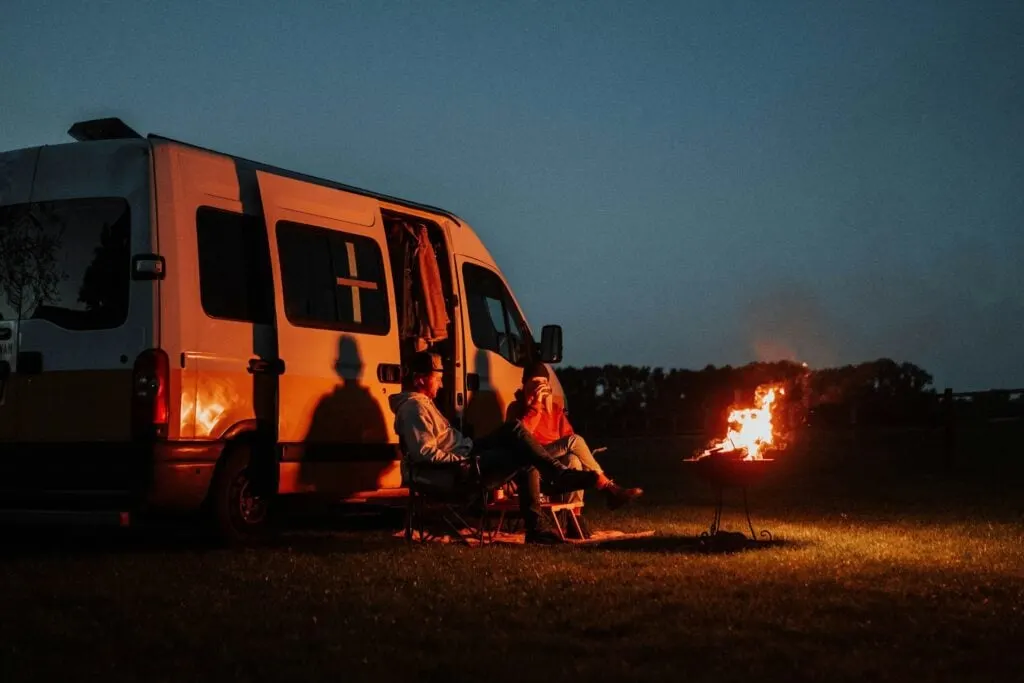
pixel 949 427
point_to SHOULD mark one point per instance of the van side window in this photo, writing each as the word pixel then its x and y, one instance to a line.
pixel 494 320
pixel 235 280
pixel 68 262
pixel 332 280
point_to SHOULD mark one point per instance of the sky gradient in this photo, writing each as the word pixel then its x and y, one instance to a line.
pixel 677 184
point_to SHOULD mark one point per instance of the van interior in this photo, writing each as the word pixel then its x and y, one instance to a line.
pixel 424 294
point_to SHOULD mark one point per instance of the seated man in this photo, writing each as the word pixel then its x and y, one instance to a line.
pixel 508 452
pixel 547 422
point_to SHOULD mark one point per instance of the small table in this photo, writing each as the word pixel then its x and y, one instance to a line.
pixel 511 505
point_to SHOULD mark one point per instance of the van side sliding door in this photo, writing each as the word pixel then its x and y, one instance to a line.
pixel 337 339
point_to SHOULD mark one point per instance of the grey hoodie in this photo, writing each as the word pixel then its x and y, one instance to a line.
pixel 425 432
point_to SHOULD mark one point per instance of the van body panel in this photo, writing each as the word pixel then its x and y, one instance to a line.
pixel 52 407
pixel 351 479
pixel 182 472
pixel 82 336
pixel 217 390
pixel 335 313
pixel 465 242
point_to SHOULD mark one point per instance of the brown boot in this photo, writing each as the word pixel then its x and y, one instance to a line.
pixel 617 496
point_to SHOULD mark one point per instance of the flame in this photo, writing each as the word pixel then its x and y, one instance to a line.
pixel 750 428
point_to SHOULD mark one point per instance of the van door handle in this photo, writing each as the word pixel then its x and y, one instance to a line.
pixel 389 373
pixel 266 367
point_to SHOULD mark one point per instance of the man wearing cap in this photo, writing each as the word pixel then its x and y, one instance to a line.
pixel 509 452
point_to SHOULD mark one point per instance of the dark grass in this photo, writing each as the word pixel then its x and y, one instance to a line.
pixel 886 566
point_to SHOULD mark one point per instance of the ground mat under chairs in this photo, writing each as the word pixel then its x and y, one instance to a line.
pixel 519 538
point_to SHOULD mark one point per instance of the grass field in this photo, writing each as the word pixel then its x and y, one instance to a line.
pixel 887 566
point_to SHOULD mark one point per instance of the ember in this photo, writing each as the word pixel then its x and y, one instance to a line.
pixel 750 429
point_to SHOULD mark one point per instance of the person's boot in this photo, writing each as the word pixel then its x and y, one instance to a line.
pixel 541 533
pixel 583 533
pixel 617 496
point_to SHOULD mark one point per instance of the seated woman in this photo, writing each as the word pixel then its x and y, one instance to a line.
pixel 547 423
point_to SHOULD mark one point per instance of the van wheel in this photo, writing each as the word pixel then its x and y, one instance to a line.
pixel 239 510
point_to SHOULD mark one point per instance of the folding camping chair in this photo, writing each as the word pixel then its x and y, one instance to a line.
pixel 449 506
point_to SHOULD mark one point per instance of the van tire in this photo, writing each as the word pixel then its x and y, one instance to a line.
pixel 236 512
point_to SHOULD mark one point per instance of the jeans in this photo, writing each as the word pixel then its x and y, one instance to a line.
pixel 512 452
pixel 574 453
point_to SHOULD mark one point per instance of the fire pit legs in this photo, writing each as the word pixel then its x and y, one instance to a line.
pixel 746 509
pixel 734 473
pixel 716 521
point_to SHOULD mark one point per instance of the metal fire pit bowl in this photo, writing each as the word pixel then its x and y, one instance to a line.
pixel 728 470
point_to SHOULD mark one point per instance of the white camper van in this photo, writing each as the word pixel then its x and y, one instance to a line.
pixel 186 330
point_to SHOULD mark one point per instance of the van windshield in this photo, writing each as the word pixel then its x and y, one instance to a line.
pixel 66 261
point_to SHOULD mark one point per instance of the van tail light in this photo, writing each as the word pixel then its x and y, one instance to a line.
pixel 151 406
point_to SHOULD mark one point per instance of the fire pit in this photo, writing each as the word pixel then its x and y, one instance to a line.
pixel 737 461
pixel 730 469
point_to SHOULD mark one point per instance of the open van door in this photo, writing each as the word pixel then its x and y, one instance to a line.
pixel 337 338
pixel 498 346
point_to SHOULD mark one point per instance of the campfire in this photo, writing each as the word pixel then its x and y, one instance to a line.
pixel 750 430
pixel 737 460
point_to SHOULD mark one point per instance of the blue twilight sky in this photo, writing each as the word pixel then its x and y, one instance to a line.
pixel 676 183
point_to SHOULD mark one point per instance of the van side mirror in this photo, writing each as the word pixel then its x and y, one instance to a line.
pixel 551 344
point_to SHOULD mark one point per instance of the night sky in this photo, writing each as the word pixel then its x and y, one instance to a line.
pixel 677 184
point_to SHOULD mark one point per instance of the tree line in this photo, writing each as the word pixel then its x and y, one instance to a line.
pixel 630 399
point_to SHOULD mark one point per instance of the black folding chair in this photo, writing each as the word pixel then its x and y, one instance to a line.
pixel 450 506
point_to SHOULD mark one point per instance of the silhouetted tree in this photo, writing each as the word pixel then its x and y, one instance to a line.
pixel 29 244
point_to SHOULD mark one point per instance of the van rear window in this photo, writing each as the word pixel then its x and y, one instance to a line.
pixel 67 262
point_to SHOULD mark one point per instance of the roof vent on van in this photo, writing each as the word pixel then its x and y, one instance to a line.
pixel 102 129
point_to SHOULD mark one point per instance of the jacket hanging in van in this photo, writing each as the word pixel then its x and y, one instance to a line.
pixel 432 317
pixel 422 314
pixel 400 238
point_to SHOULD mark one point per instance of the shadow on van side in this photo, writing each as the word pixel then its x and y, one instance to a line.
pixel 345 450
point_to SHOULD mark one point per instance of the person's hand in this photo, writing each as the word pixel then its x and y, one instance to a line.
pixel 540 395
pixel 547 398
